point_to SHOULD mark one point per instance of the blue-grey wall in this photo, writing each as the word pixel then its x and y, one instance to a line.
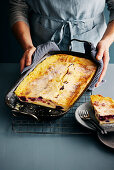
pixel 10 50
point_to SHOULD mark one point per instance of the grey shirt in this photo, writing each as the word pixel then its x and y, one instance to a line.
pixel 18 11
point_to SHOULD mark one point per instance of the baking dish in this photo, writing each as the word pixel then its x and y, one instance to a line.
pixel 37 111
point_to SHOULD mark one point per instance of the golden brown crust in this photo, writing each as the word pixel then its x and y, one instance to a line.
pixel 59 80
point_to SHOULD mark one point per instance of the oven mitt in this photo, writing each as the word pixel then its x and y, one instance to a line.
pixel 90 51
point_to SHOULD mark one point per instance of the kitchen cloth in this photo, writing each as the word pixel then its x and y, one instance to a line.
pixel 90 51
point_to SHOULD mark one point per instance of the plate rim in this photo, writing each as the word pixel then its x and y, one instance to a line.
pixel 102 141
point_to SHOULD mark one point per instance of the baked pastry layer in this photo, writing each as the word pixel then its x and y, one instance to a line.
pixel 104 108
pixel 57 81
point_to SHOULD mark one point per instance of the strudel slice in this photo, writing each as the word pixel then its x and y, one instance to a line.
pixel 104 108
pixel 57 81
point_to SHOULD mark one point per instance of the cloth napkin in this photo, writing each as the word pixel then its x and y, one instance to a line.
pixel 40 51
pixel 90 52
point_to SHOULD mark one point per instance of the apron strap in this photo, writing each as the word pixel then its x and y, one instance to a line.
pixel 58 35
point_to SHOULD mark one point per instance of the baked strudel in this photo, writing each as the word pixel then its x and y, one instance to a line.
pixel 57 81
pixel 104 108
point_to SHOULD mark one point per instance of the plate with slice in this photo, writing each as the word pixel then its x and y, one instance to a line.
pixel 101 110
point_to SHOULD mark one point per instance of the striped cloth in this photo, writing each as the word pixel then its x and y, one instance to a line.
pixel 90 51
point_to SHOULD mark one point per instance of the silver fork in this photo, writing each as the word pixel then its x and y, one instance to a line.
pixel 85 116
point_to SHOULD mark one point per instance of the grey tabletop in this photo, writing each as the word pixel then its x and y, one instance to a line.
pixel 49 152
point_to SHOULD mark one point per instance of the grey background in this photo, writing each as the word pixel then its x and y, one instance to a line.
pixel 10 50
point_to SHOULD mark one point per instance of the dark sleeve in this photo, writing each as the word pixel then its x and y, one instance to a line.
pixel 18 11
pixel 110 4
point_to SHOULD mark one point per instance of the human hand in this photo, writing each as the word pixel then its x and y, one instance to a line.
pixel 103 53
pixel 26 60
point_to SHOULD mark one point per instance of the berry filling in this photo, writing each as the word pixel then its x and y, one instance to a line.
pixel 23 98
pixel 32 98
pixel 35 99
pixel 59 107
pixel 101 118
pixel 40 98
pixel 62 87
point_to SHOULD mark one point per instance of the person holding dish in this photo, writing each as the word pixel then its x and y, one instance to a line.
pixel 36 22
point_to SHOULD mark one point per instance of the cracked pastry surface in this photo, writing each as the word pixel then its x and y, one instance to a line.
pixel 104 108
pixel 57 81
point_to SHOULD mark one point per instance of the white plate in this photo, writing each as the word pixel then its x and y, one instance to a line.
pixel 107 139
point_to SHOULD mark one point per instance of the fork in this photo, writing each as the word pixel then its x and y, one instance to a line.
pixel 85 116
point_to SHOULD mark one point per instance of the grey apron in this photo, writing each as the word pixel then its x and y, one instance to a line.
pixel 62 20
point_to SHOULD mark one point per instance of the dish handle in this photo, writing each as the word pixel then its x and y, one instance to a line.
pixel 83 41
